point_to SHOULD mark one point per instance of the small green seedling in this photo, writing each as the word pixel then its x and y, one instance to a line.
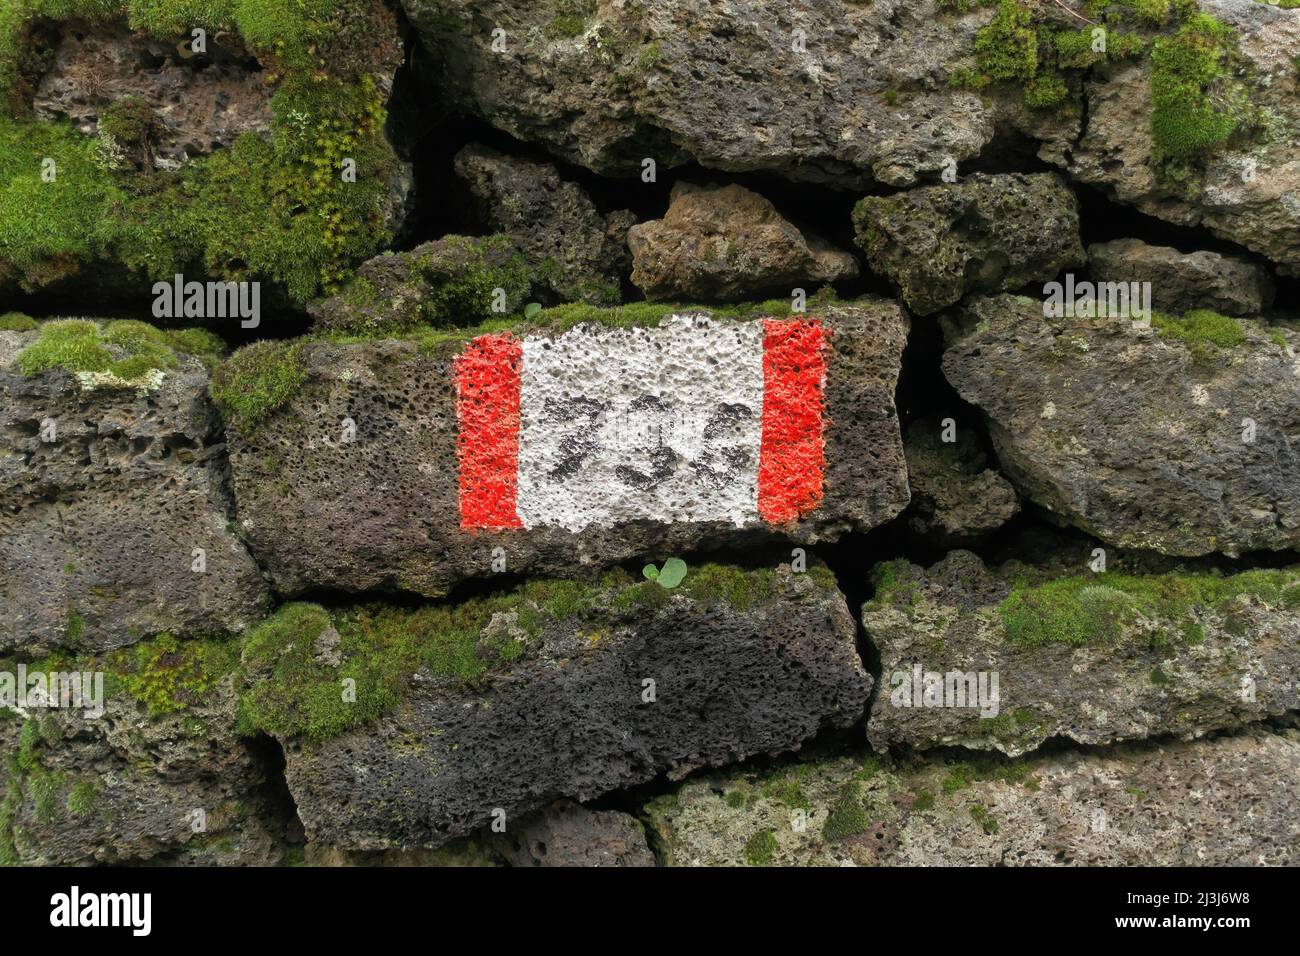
pixel 672 574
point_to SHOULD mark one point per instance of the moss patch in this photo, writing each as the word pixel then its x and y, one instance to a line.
pixel 167 675
pixel 847 817
pixel 1187 119
pixel 760 848
pixel 17 322
pixel 257 380
pixel 124 351
pixel 1202 331
pixel 1087 609
pixel 273 209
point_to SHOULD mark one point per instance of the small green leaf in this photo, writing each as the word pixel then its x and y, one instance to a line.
pixel 673 573
pixel 531 309
pixel 651 572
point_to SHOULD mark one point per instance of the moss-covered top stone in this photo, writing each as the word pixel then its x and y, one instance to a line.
pixel 1036 607
pixel 260 378
pixel 316 673
pixel 1197 100
pixel 119 353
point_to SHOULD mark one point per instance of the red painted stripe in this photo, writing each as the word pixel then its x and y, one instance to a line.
pixel 487 408
pixel 792 450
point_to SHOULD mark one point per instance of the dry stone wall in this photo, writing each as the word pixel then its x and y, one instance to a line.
pixel 467 433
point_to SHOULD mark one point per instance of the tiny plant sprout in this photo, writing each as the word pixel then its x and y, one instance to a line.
pixel 671 575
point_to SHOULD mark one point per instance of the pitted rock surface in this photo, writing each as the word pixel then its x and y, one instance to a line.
pixel 580 254
pixel 726 243
pixel 730 681
pixel 199 106
pixel 1134 436
pixel 1146 666
pixel 1181 282
pixel 98 528
pixel 867 101
pixel 180 788
pixel 987 233
pixel 1217 802
pixel 568 834
pixel 381 511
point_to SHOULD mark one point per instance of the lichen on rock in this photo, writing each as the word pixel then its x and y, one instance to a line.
pixel 1007 659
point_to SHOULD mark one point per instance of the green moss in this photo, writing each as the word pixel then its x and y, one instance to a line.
pixel 894 583
pixel 1199 330
pixel 1087 609
pixel 649 56
pixel 16 322
pixel 570 18
pixel 964 6
pixel 735 799
pixel 786 787
pixel 760 848
pixel 81 798
pixel 295 691
pixel 1007 48
pixel 269 208
pixel 924 800
pixel 846 818
pixel 1187 120
pixel 491 263
pixel 980 814
pixel 125 349
pixel 257 380
pixel 167 675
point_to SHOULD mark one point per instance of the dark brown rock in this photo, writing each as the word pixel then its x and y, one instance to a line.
pixel 728 243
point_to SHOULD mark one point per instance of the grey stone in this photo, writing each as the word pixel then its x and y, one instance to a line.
pixel 758 667
pixel 719 85
pixel 568 834
pixel 1181 282
pixel 956 499
pixel 580 254
pixel 1089 658
pixel 98 527
pixel 984 233
pixel 178 788
pixel 1139 436
pixel 1218 802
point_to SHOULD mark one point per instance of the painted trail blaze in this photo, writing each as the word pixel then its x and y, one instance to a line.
pixel 487 410
pixel 792 456
pixel 696 420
